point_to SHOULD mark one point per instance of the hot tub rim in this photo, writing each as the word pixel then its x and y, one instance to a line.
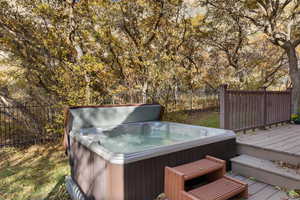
pixel 124 158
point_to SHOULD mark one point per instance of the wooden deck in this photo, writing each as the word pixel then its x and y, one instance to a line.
pixel 262 191
pixel 276 143
pixel 281 139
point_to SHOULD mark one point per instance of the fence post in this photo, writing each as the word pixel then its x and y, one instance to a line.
pixel 290 90
pixel 223 107
pixel 264 108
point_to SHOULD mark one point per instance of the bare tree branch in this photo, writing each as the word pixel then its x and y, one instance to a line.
pixel 296 43
pixel 156 24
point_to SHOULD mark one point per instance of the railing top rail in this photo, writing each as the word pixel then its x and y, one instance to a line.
pixel 244 92
pixel 257 92
pixel 28 105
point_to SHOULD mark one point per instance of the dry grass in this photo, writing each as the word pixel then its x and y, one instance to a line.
pixel 35 173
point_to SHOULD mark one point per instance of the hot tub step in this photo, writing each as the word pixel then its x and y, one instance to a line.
pixel 176 178
pixel 202 167
pixel 221 189
pixel 266 171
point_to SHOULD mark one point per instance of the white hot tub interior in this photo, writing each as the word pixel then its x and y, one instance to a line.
pixel 134 137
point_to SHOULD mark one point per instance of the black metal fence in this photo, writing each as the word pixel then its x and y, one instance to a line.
pixel 181 101
pixel 29 124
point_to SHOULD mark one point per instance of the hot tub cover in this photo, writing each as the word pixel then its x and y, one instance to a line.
pixel 78 117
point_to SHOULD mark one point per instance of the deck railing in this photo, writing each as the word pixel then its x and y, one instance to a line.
pixel 244 110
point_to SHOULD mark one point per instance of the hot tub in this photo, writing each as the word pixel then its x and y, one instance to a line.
pixel 126 160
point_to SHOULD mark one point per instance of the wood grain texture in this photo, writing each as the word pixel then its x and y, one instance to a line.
pixel 283 139
pixel 261 191
pixel 245 110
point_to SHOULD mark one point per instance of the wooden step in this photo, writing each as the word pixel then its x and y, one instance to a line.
pixel 267 153
pixel 176 178
pixel 265 171
pixel 221 189
pixel 201 167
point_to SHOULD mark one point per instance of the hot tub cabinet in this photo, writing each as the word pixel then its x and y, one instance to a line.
pixel 105 164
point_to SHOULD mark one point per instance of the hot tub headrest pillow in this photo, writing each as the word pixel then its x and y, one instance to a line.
pixel 87 117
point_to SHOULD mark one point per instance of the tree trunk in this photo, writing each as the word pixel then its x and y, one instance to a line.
pixel 295 77
pixel 192 98
pixel 87 89
pixel 80 54
pixel 144 92
pixel 176 96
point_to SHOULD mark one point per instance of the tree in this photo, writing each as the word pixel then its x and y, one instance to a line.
pixel 104 47
pixel 279 20
pixel 90 51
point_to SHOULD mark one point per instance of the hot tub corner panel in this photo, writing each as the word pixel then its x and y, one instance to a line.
pixel 96 177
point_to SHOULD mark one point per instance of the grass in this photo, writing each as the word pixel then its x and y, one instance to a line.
pixel 35 173
pixel 38 172
pixel 208 118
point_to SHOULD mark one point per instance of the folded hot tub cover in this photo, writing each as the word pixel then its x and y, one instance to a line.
pixel 77 117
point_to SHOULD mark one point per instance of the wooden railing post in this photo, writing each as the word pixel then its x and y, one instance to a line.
pixel 264 107
pixel 290 90
pixel 223 107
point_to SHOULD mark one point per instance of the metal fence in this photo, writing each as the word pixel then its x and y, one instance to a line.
pixel 181 101
pixel 31 124
pixel 28 124
pixel 243 110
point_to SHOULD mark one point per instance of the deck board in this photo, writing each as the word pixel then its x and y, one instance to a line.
pixel 278 196
pixel 286 144
pixel 282 138
pixel 256 188
pixel 285 139
pixel 261 191
pixel 264 194
pixel 295 149
pixel 273 138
